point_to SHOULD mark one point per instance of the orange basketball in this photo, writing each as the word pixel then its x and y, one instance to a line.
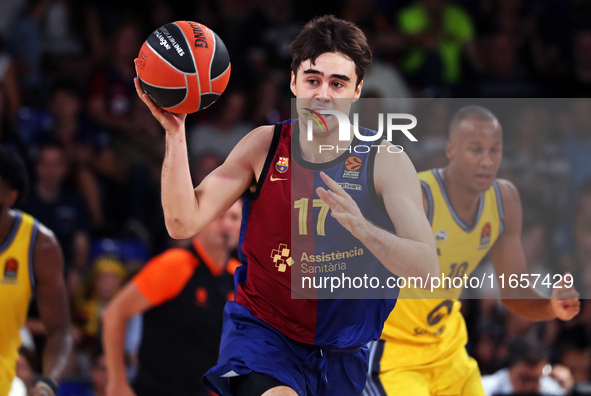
pixel 184 67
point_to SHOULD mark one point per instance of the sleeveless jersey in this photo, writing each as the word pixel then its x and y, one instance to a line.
pixel 432 328
pixel 288 232
pixel 16 286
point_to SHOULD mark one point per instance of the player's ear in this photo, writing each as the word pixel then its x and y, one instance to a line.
pixel 293 83
pixel 449 150
pixel 357 93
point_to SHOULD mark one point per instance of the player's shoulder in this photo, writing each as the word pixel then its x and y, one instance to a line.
pixel 508 191
pixel 255 140
pixel 261 134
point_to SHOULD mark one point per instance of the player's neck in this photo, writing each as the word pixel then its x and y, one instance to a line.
pixel 322 148
pixel 464 202
pixel 6 224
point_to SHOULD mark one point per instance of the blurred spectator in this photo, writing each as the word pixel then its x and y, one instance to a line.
pixel 578 361
pixel 110 91
pixel 10 94
pixel 108 275
pixel 503 75
pixel 61 209
pixel 273 26
pixel 26 45
pixel 220 136
pixel 432 134
pixel 98 375
pixel 182 293
pixel 72 39
pixel 96 170
pixel 528 372
pixel 576 144
pixel 577 80
pixel 438 33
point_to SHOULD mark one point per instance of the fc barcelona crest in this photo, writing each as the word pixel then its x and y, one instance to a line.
pixel 282 165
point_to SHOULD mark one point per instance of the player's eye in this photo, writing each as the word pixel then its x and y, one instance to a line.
pixel 338 84
pixel 312 81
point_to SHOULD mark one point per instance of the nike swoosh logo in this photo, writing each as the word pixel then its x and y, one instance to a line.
pixel 276 178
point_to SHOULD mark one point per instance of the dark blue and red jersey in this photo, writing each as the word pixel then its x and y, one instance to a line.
pixel 288 233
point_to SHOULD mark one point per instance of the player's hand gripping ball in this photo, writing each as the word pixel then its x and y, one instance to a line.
pixel 184 67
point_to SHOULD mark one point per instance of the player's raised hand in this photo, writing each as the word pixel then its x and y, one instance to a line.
pixel 565 299
pixel 342 206
pixel 173 123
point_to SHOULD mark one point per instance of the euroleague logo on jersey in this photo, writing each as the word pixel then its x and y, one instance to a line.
pixel 352 168
pixel 485 234
pixel 10 270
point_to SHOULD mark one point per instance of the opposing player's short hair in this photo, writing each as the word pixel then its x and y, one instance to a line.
pixel 331 34
pixel 473 112
pixel 13 171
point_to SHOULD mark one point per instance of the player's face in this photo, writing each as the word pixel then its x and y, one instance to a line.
pixel 475 150
pixel 526 378
pixel 327 84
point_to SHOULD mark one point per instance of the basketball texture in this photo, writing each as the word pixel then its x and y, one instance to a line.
pixel 184 67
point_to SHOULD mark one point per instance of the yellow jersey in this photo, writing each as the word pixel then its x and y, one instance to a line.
pixel 16 288
pixel 425 327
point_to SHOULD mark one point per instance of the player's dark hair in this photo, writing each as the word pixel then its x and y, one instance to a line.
pixel 527 351
pixel 13 171
pixel 474 112
pixel 65 85
pixel 331 34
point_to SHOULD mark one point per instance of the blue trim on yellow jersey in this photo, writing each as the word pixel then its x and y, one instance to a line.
pixel 466 228
pixel 500 206
pixel 13 232
pixel 430 201
pixel 31 253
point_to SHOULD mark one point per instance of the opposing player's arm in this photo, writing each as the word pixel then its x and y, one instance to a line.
pixel 188 210
pixel 411 252
pixel 508 259
pixel 52 301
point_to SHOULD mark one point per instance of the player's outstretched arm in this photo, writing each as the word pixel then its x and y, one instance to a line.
pixel 127 303
pixel 188 210
pixel 508 259
pixel 52 301
pixel 409 253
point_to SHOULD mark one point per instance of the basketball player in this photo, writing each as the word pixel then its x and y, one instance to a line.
pixel 31 263
pixel 182 293
pixel 271 343
pixel 422 348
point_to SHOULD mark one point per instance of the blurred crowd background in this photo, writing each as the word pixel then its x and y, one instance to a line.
pixel 94 152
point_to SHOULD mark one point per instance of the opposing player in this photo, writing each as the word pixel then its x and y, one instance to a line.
pixel 31 263
pixel 422 348
pixel 271 343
